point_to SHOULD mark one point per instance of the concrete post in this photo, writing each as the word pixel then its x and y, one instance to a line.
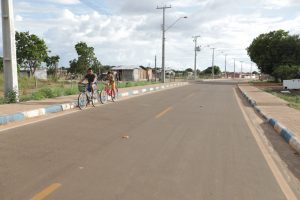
pixel 9 48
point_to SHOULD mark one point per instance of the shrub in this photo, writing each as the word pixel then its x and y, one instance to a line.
pixel 71 91
pixel 25 98
pixel 128 84
pixel 37 96
pixel 57 92
pixel 285 72
pixel 47 92
pixel 11 97
pixel 2 100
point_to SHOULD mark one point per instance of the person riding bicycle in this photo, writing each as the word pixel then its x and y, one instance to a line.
pixel 112 82
pixel 91 79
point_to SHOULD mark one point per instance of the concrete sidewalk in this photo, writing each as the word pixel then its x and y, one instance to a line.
pixel 31 109
pixel 284 119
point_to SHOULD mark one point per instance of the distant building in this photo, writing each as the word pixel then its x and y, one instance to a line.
pixel 168 73
pixel 239 75
pixel 39 73
pixel 133 73
pixel 233 75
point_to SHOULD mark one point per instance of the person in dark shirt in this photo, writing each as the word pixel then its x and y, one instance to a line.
pixel 90 77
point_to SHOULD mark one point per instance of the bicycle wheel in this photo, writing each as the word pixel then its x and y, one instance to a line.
pixel 96 98
pixel 82 100
pixel 103 96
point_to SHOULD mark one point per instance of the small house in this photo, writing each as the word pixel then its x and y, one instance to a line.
pixel 133 73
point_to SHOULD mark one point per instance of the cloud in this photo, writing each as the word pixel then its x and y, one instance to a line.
pixel 19 18
pixel 129 31
pixel 67 2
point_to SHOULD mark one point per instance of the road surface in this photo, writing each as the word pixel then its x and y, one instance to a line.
pixel 186 143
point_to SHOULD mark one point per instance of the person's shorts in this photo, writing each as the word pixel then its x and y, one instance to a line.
pixel 90 85
pixel 112 85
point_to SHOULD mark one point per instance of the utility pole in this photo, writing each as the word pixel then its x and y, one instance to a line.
pixel 213 63
pixel 195 61
pixel 226 66
pixel 155 69
pixel 241 69
pixel 163 76
pixel 9 48
pixel 234 69
pixel 251 71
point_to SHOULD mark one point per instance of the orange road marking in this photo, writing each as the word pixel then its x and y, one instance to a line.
pixel 46 192
pixel 163 113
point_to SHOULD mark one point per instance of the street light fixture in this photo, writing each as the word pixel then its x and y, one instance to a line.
pixel 185 17
pixel 164 29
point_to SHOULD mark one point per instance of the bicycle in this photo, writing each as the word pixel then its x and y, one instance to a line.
pixel 107 92
pixel 85 96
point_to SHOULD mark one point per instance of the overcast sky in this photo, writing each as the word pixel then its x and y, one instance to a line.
pixel 128 32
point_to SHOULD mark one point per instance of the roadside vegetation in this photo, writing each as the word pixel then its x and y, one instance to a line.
pixel 31 90
pixel 277 54
pixel 293 98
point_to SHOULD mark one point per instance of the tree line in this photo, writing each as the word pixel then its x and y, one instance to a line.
pixel 33 52
pixel 277 53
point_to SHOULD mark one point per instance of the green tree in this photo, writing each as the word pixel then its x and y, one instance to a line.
pixel 274 49
pixel 285 72
pixel 189 70
pixel 208 70
pixel 52 62
pixel 1 64
pixel 86 59
pixel 31 50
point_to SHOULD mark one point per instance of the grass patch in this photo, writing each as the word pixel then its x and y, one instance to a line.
pixel 293 99
pixel 45 93
pixel 134 84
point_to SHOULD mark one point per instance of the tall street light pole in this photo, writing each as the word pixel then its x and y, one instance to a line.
pixel 9 48
pixel 226 66
pixel 163 76
pixel 164 30
pixel 251 71
pixel 241 69
pixel 155 68
pixel 225 63
pixel 195 61
pixel 213 63
pixel 234 68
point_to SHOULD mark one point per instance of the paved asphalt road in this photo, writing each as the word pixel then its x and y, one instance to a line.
pixel 188 143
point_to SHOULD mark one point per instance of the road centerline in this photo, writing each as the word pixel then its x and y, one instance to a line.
pixel 164 112
pixel 47 191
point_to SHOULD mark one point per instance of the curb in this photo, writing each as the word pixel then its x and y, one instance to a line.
pixel 288 136
pixel 20 116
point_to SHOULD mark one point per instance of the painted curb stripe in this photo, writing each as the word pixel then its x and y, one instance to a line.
pixel 125 94
pixel 63 107
pixel 134 92
pixel 286 134
pixel 53 109
pixel 273 122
